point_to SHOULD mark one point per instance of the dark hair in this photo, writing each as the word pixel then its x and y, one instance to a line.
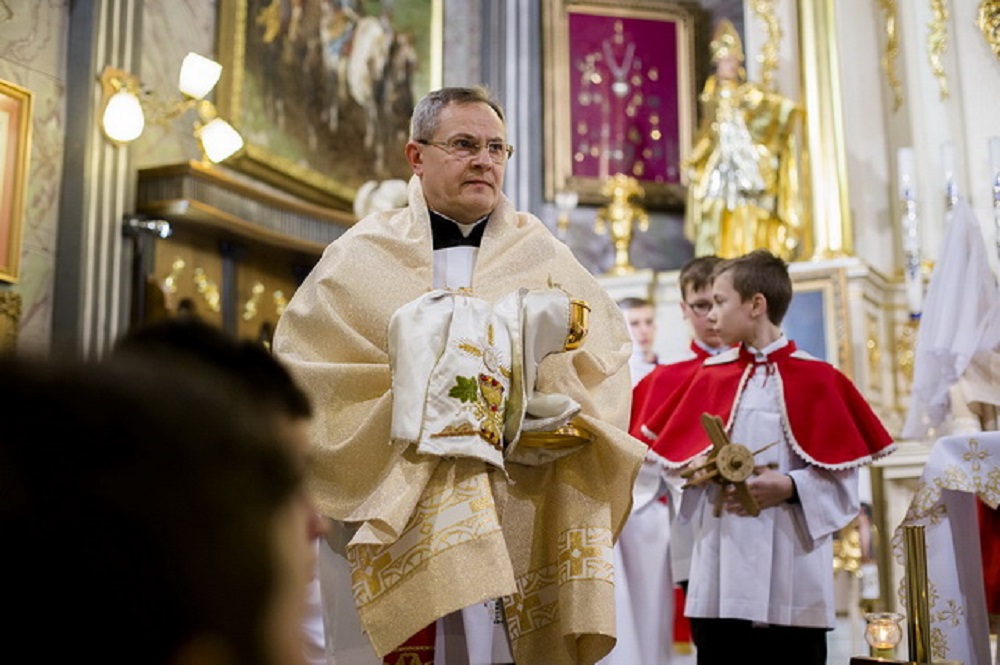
pixel 761 272
pixel 427 113
pixel 161 490
pixel 633 302
pixel 261 377
pixel 696 274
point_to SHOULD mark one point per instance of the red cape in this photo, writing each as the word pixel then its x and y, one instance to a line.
pixel 654 388
pixel 827 421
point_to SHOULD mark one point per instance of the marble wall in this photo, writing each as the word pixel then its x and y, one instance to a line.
pixel 32 55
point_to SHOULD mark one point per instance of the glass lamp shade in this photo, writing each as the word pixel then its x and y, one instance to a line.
pixel 123 119
pixel 219 140
pixel 198 75
pixel 883 631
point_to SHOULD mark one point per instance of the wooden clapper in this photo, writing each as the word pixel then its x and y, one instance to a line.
pixel 728 464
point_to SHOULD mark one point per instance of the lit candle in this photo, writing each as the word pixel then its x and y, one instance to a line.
pixel 906 181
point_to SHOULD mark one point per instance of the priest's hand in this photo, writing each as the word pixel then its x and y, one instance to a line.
pixel 768 487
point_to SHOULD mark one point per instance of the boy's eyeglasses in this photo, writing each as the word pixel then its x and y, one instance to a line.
pixel 464 148
pixel 700 308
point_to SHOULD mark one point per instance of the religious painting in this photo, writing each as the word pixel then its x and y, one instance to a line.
pixel 618 97
pixel 322 90
pixel 15 148
pixel 817 318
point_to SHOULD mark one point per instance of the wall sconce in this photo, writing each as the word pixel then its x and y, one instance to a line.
pixel 127 106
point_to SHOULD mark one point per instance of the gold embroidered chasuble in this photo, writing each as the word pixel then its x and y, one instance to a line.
pixel 434 535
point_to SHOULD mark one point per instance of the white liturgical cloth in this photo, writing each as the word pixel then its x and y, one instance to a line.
pixel 959 469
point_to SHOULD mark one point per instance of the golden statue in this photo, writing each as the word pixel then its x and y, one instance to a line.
pixel 742 177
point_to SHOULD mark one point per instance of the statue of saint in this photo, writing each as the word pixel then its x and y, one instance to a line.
pixel 742 177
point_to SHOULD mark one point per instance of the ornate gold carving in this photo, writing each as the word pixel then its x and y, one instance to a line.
pixel 937 43
pixel 621 216
pixel 10 316
pixel 847 550
pixel 768 57
pixel 208 289
pixel 906 350
pixel 250 306
pixel 280 302
pixel 888 8
pixel 989 22
pixel 170 281
pixel 874 353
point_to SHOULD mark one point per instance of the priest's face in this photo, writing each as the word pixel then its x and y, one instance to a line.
pixel 460 178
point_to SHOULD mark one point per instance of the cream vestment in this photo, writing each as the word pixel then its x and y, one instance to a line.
pixel 428 534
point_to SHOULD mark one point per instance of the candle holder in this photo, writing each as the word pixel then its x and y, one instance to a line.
pixel 883 633
pixel 620 217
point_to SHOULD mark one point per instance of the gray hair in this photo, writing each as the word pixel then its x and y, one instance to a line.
pixel 424 123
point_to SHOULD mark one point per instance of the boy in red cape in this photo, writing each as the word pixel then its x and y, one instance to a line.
pixel 695 281
pixel 764 584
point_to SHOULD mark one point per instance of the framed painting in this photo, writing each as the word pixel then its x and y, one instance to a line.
pixel 818 316
pixel 323 94
pixel 619 96
pixel 15 149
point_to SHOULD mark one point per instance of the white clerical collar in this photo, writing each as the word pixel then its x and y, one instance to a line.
pixel 466 229
pixel 710 350
pixel 769 349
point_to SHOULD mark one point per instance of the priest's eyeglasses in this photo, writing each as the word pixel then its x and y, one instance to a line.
pixel 700 307
pixel 466 148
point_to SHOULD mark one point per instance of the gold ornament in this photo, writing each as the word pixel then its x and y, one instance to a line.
pixel 726 42
pixel 989 22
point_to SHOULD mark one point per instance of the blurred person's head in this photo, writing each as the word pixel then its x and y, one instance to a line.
pixel 641 319
pixel 171 501
pixel 257 376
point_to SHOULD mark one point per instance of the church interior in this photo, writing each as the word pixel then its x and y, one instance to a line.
pixel 889 114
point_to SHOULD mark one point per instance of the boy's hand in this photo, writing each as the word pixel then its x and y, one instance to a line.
pixel 769 487
pixel 695 469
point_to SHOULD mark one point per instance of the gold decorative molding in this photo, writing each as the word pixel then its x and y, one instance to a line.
pixel 250 306
pixel 889 9
pixel 873 350
pixel 208 289
pixel 906 351
pixel 989 22
pixel 937 43
pixel 10 317
pixel 764 9
pixel 280 302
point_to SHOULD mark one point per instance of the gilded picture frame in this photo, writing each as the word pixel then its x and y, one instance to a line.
pixel 297 85
pixel 15 151
pixel 619 96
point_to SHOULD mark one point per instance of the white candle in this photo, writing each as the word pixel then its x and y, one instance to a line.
pixel 948 159
pixel 995 154
pixel 914 293
pixel 906 180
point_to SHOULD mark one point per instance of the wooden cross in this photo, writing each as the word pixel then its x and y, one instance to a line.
pixel 728 464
